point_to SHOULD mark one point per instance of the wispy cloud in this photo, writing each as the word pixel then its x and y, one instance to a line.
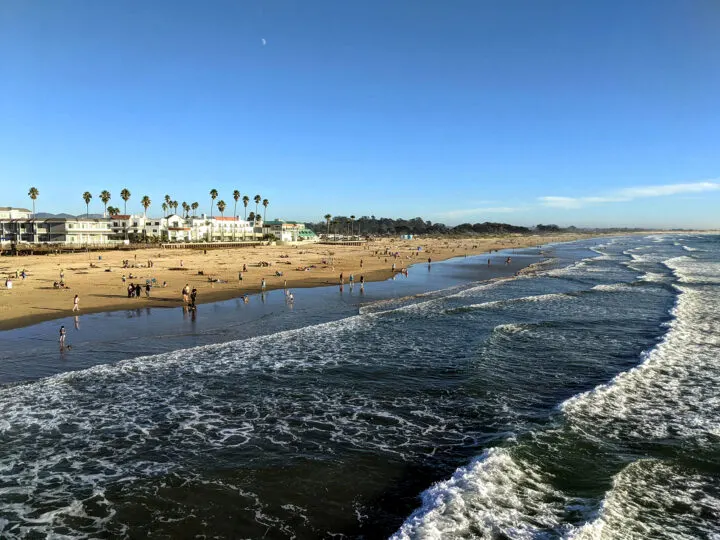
pixel 629 194
pixel 453 214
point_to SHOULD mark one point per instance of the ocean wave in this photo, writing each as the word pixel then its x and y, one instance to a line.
pixel 671 393
pixel 494 496
pixel 644 501
pixel 510 301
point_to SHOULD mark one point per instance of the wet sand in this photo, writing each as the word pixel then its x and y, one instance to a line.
pixel 97 276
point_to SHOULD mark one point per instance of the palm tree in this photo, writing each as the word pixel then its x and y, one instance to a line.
pixel 105 197
pixel 328 217
pixel 236 196
pixel 33 194
pixel 245 200
pixel 352 226
pixel 257 199
pixel 213 196
pixel 113 211
pixel 145 202
pixel 125 195
pixel 186 209
pixel 164 206
pixel 175 205
pixel 194 207
pixel 86 197
pixel 251 217
pixel 265 204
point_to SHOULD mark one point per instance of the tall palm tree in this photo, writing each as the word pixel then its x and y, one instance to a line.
pixel 168 199
pixel 194 207
pixel 186 209
pixel 265 204
pixel 245 200
pixel 221 207
pixel 236 196
pixel 86 197
pixel 352 226
pixel 328 217
pixel 257 199
pixel 33 194
pixel 165 207
pixel 213 196
pixel 125 195
pixel 175 205
pixel 104 197
pixel 145 202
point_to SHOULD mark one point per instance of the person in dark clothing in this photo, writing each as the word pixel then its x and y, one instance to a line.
pixel 138 290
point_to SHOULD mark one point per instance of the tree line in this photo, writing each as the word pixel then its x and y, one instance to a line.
pixel 371 225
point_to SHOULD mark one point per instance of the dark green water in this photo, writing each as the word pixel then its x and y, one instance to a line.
pixel 501 409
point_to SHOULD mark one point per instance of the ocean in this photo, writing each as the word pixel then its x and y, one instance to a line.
pixel 578 400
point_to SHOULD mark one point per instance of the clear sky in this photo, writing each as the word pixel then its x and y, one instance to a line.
pixel 554 111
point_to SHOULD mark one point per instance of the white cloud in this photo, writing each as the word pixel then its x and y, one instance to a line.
pixel 561 202
pixel 671 189
pixel 628 194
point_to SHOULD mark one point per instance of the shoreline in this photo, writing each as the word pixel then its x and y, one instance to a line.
pixel 35 301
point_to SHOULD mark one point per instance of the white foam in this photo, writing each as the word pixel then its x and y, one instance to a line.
pixel 672 392
pixel 510 301
pixel 494 496
pixel 643 500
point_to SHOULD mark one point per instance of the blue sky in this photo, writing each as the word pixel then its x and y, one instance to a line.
pixel 583 113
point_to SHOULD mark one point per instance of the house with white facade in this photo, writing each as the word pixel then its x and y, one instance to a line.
pixel 288 231
pixel 127 226
pixel 17 227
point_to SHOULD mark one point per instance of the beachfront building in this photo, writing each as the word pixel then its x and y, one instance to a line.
pixel 231 229
pixel 205 229
pixel 288 231
pixel 68 231
pixel 136 227
pixel 16 226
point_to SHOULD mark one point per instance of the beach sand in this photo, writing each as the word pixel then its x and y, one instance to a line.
pixel 96 276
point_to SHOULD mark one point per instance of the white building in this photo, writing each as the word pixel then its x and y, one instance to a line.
pixel 140 227
pixel 206 229
pixel 16 227
pixel 288 231
pixel 8 213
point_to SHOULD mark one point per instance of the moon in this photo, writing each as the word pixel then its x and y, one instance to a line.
pixel 263 42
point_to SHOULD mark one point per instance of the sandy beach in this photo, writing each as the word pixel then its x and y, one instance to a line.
pixel 97 277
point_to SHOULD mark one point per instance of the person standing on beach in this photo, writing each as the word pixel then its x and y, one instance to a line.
pixel 193 296
pixel 62 337
pixel 185 293
pixel 76 303
pixel 262 284
pixel 138 290
pixel 147 290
